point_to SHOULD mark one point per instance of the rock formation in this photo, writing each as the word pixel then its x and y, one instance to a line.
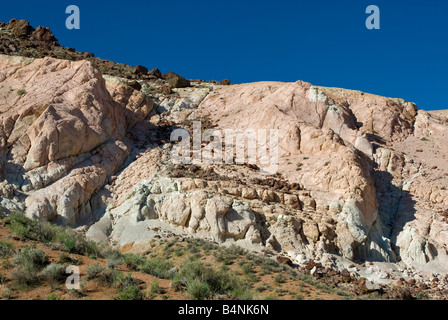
pixel 360 177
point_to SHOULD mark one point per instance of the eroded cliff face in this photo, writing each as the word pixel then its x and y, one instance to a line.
pixel 360 176
pixel 61 136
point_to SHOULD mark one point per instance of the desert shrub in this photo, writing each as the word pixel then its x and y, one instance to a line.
pixel 422 295
pixel 132 293
pixel 155 289
pixel 31 258
pixel 278 278
pixel 54 296
pixel 193 249
pixel 176 283
pixel 247 268
pixel 198 290
pixel 54 273
pixel 157 267
pixel 218 281
pixel 129 289
pixel 134 261
pixel 242 294
pixel 94 270
pixel 114 262
pixel 57 237
pixel 109 277
pixel 6 249
pixel 75 243
pixel 29 261
pixel 24 276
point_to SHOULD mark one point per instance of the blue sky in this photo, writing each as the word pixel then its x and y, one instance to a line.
pixel 322 42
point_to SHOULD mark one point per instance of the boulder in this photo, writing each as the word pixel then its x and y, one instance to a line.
pixel 44 35
pixel 175 80
pixel 21 28
pixel 140 70
pixel 155 73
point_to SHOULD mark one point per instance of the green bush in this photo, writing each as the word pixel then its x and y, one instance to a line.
pixel 242 294
pixel 132 293
pixel 247 268
pixel 6 249
pixel 24 276
pixel 198 290
pixel 31 258
pixel 54 296
pixel 57 237
pixel 54 273
pixel 217 281
pixel 134 261
pixel 157 267
pixel 94 270
pixel 109 277
pixel 176 283
pixel 155 289
pixel 279 278
pixel 422 295
pixel 114 262
pixel 129 289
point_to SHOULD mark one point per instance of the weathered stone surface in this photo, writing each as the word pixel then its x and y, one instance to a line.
pixel 60 133
pixel 360 177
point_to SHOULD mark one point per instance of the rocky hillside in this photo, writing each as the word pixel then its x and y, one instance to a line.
pixel 361 183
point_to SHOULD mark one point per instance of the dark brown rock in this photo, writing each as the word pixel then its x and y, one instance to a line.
pixel 45 35
pixel 140 70
pixel 21 28
pixel 345 275
pixel 175 80
pixel 284 260
pixel 135 85
pixel 156 73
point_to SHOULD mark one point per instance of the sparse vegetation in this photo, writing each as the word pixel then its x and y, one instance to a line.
pixel 422 295
pixel 54 236
pixel 196 269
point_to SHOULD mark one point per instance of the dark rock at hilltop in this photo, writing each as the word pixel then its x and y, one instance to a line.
pixel 176 81
pixel 20 28
pixel 45 35
pixel 155 73
pixel 140 70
